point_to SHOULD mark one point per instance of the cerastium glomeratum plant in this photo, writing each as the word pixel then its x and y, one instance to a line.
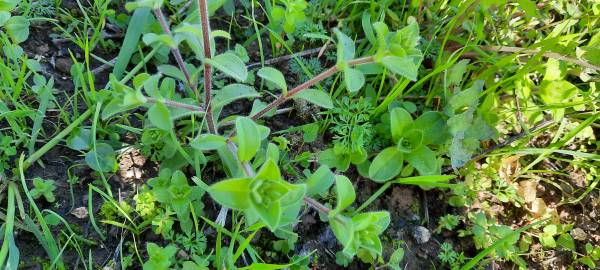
pixel 254 185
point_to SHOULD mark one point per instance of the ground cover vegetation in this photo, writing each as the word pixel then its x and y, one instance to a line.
pixel 294 134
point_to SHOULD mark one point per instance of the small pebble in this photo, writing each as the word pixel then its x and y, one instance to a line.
pixel 421 234
pixel 579 234
pixel 64 65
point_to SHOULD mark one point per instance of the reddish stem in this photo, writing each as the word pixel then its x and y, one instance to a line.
pixel 175 104
pixel 175 50
pixel 203 9
pixel 322 76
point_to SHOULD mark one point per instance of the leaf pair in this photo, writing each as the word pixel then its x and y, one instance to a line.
pixel 398 51
pixel 353 78
pixel 411 138
pixel 266 196
pixel 172 188
pixel 361 231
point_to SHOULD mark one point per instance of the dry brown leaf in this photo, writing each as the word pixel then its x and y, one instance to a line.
pixel 528 190
pixel 538 207
pixel 509 167
pixel 80 212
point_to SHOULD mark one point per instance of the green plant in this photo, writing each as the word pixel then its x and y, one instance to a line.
pixel 160 258
pixel 353 136
pixel 450 257
pixel 172 189
pixel 448 222
pixel 468 122
pixel 8 150
pixel 411 138
pixel 43 188
pixel 290 15
pixel 263 196
pixel 16 27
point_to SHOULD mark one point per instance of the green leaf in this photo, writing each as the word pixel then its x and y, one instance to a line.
pixel 424 160
pixel 316 97
pixel 153 4
pixel 403 66
pixel 345 194
pixel 4 16
pixel 328 157
pixel 345 47
pixel 17 28
pixel 354 79
pixel 160 117
pixel 270 215
pixel 529 7
pixel 396 259
pixel 273 75
pixel 269 171
pixel 8 5
pixel 152 38
pixel 248 137
pixel 207 142
pixel 400 121
pixel 79 139
pixel 381 33
pixel 103 159
pixel 556 92
pixel 140 17
pixel 386 165
pixel 233 92
pixel 232 193
pixel 342 229
pixel 230 64
pixel 588 262
pixel 319 182
pixel 412 140
pixel 566 241
pixel 433 126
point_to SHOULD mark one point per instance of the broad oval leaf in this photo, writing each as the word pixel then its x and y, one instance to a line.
pixel 269 215
pixel 316 97
pixel 386 165
pixel 400 121
pixel 320 181
pixel 17 28
pixel 345 47
pixel 273 75
pixel 4 16
pixel 342 229
pixel 233 92
pixel 8 5
pixel 344 192
pixel 354 79
pixel 103 159
pixel 424 160
pixel 160 117
pixel 79 139
pixel 248 137
pixel 207 142
pixel 403 66
pixel 230 64
pixel 151 38
pixel 433 126
pixel 232 193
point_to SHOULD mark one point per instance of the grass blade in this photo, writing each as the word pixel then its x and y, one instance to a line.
pixel 140 18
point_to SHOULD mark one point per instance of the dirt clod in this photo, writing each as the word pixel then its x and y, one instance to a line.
pixel 421 234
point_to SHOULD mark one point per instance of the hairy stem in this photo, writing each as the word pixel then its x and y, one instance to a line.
pixel 203 9
pixel 175 104
pixel 322 76
pixel 176 52
pixel 316 205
